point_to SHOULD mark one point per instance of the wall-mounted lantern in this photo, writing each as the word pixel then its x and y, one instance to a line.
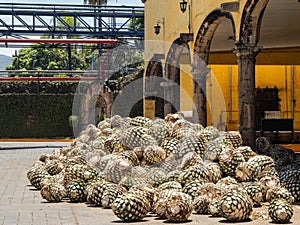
pixel 157 29
pixel 183 5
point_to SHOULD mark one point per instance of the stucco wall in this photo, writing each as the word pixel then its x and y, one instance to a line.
pixel 173 22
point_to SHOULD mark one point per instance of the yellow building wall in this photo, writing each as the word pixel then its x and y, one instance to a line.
pixel 222 83
pixel 186 89
pixel 222 92
pixel 173 22
pixel 297 97
pixel 224 98
pixel 286 79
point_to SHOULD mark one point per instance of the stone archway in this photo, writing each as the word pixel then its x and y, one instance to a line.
pixel 200 70
pixel 154 69
pixel 251 22
pixel 154 74
pixel 97 109
pixel 206 32
pixel 97 98
pixel 172 75
pixel 172 59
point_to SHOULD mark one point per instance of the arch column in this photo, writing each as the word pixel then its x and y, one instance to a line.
pixel 246 92
pixel 169 96
pixel 200 74
pixel 172 87
pixel 83 113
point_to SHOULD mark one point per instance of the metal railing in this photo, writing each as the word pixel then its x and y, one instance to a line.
pixel 42 77
pixel 19 75
pixel 13 74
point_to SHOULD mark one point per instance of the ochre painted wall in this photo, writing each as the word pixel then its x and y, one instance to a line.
pixel 222 92
pixel 173 22
pixel 186 86
pixel 222 88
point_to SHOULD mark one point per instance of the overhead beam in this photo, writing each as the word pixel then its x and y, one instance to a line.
pixel 60 41
pixel 91 21
pixel 276 56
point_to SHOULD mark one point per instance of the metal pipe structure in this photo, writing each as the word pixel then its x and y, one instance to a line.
pixel 230 92
pixel 60 41
pixel 90 21
pixel 286 90
pixel 48 78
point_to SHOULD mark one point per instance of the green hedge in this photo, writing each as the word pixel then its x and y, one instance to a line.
pixel 42 87
pixel 35 115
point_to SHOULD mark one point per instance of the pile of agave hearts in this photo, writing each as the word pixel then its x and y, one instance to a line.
pixel 169 168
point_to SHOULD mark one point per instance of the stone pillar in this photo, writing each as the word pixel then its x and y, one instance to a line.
pixel 83 114
pixel 200 74
pixel 108 97
pixel 246 93
pixel 169 96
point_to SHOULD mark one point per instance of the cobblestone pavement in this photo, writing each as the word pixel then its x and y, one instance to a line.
pixel 21 204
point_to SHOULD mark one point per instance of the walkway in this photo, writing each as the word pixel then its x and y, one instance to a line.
pixel 21 204
pixel 90 20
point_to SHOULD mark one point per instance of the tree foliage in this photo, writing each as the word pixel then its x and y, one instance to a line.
pixel 40 57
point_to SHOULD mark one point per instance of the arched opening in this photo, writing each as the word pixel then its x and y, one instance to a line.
pixel 92 101
pixel 207 31
pixel 251 22
pixel 153 91
pixel 221 110
pixel 287 30
pixel 217 32
pixel 97 109
pixel 178 54
pixel 277 86
pixel 263 23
